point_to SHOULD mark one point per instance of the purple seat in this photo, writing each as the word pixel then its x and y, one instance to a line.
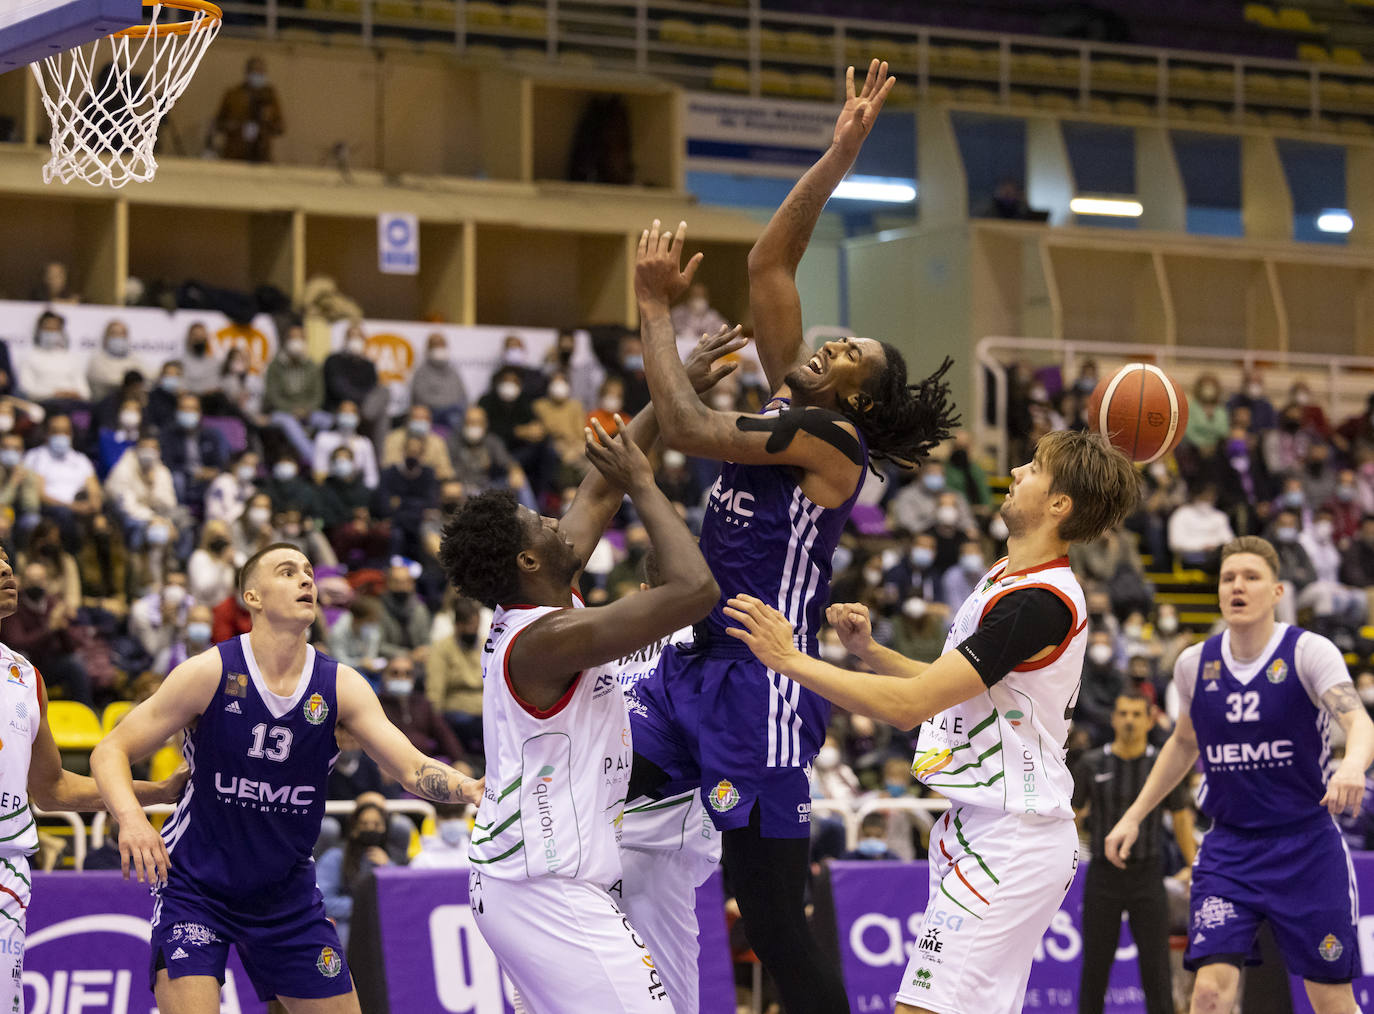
pixel 869 519
pixel 233 430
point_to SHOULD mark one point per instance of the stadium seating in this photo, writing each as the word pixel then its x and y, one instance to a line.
pixel 74 726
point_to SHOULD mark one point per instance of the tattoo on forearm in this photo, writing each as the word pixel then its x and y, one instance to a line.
pixel 1342 699
pixel 784 427
pixel 432 782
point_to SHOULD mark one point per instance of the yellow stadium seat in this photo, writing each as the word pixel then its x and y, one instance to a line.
pixel 486 15
pixel 1057 101
pixel 114 711
pixel 1298 87
pixel 1363 92
pixel 74 726
pixel 527 18
pixel 1132 107
pixel 729 77
pixel 438 10
pixel 679 31
pixel 1187 79
pixel 1359 3
pixel 396 10
pixel 1296 19
pixel 1332 90
pixel 1310 52
pixel 1100 104
pixel 775 82
pixel 1222 79
pixel 814 86
pixel 934 92
pixel 859 50
pixel 770 41
pixel 345 6
pixel 1267 84
pixel 485 53
pixel 164 763
pixel 904 94
pixel 801 43
pixel 975 94
pixel 1262 15
pixel 413 846
pixel 1355 126
pixel 572 58
pixel 1281 119
pixel 1207 114
pixel 1347 56
pixel 719 35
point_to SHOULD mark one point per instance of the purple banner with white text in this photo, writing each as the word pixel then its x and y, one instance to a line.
pixel 879 907
pixel 436 959
pixel 86 950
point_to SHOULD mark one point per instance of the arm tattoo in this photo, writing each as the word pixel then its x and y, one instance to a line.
pixel 432 782
pixel 1342 699
pixel 783 428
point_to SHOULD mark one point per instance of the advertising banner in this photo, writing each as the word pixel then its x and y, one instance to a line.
pixel 755 137
pixel 87 952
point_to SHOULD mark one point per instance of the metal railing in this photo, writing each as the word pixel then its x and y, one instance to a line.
pixel 852 816
pixel 749 50
pixel 78 832
pixel 1343 383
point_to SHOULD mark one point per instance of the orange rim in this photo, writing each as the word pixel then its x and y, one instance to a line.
pixel 213 15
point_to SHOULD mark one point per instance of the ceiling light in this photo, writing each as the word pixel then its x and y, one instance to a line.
pixel 1118 207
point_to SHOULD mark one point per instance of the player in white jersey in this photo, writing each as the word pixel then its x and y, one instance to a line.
pixel 994 714
pixel 31 774
pixel 545 848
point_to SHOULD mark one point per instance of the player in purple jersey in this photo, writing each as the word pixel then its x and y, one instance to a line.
pixel 1256 703
pixel 233 863
pixel 715 719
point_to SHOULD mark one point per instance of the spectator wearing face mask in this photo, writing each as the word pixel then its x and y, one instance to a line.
pixel 447 848
pixel 436 383
pixel 343 870
pixel 155 617
pixel 227 496
pixel 1172 638
pixel 964 475
pixel 161 409
pixel 141 489
pixel 693 316
pixel 1208 424
pixel 1102 683
pixel 345 434
pixel 563 418
pixel 515 356
pixel 67 486
pixel 254 529
pixel 63 574
pixel 1333 603
pixel 192 639
pixel 349 375
pixel 213 567
pixel 195 453
pixel 872 843
pixel 405 619
pixel 511 416
pixel 1343 506
pixel 1357 561
pixel 355 639
pixel 959 581
pixel 201 370
pixel 51 373
pixel 610 401
pixel 1252 396
pixel 249 117
pixel 583 373
pixel 293 394
pixel 453 675
pixel 108 364
pixel 480 460
pixel 39 629
pixel 1197 530
pixel 406 491
pixel 112 442
pixel 18 486
pixel 411 712
pixel 913 507
pixel 343 490
pixel 289 489
pixel 1286 446
pixel 419 425
pixel 242 389
pixel 1356 433
pixel 298 530
pixel 630 370
pixel 919 629
pixel 904 827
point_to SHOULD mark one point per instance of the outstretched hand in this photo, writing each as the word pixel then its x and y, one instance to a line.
pixel 861 109
pixel 660 277
pixel 706 365
pixel 618 459
pixel 763 629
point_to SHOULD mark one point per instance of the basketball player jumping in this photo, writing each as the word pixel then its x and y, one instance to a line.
pixel 31 773
pixel 714 720
pixel 1257 702
pixel 233 863
pixel 994 714
pixel 545 850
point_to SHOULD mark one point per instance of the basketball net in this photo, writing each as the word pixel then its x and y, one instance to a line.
pixel 106 99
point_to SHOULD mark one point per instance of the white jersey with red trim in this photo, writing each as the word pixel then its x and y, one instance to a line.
pixel 1004 749
pixel 556 778
pixel 21 709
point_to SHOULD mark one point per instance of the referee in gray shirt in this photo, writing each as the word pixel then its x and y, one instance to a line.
pixel 1105 782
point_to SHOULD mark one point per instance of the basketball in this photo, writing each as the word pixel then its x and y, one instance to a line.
pixel 1141 410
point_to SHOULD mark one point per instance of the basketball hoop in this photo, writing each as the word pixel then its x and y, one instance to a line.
pixel 106 99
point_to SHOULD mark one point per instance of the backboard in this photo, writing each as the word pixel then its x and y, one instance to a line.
pixel 33 29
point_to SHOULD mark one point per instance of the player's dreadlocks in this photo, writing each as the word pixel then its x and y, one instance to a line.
pixel 481 540
pixel 905 420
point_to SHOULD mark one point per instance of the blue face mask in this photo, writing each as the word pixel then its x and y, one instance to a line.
pixel 933 482
pixel 342 468
pixel 198 633
pixel 922 557
pixel 871 847
pixel 896 789
pixel 1293 498
pixel 60 443
pixel 188 420
pixel 347 421
pixel 634 363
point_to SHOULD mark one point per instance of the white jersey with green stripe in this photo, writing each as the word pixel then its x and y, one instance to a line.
pixel 1004 749
pixel 21 710
pixel 556 777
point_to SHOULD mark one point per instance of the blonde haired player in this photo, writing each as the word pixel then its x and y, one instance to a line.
pixel 994 714
pixel 31 774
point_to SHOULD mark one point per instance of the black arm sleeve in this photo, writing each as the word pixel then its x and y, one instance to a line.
pixel 1021 625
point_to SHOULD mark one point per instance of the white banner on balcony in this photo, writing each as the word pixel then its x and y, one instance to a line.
pixel 757 137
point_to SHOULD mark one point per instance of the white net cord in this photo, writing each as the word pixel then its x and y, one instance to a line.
pixel 106 99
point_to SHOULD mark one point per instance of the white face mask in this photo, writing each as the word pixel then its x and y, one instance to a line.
pixel 1134 631
pixel 453 833
pixel 1254 390
pixel 1367 696
pixel 400 686
pixel 890 558
pixel 6 422
pixel 914 608
pixel 612 403
pixel 722 401
pixel 438 355
pixel 673 459
pixel 1323 530
pixel 947 515
pixel 474 434
pixel 1100 654
pixel 972 563
pixel 174 595
pixel 356 346
pixel 997 528
pixel 558 390
pixel 259 515
pixel 508 390
pixel 872 575
pixel 1167 624
pixel 296 347
pixel 832 652
pixel 828 758
pixel 129 419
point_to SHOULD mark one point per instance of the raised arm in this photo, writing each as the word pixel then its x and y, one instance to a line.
pixel 817 441
pixel 360 713
pixel 773 261
pixel 183 695
pixel 1345 790
pixel 552 649
pixel 597 500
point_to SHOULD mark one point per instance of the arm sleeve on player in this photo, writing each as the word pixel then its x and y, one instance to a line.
pixel 1020 625
pixel 1179 797
pixel 1320 665
pixel 1185 676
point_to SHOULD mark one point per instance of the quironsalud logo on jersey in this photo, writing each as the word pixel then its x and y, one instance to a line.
pixel 329 963
pixel 316 710
pixel 724 796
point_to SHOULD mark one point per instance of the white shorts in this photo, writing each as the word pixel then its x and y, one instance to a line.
pixel 14 903
pixel 668 848
pixel 566 946
pixel 996 880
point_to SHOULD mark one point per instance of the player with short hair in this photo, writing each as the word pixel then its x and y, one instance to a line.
pixel 233 863
pixel 31 775
pixel 715 720
pixel 545 849
pixel 994 713
pixel 1256 703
